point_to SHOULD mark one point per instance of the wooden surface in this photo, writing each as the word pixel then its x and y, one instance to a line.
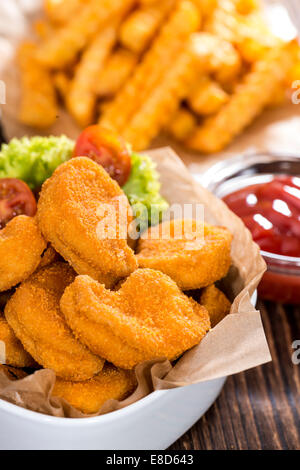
pixel 260 408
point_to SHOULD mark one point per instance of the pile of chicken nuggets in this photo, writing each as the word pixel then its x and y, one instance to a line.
pixel 92 306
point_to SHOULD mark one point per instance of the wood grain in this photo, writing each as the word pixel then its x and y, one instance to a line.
pixel 259 408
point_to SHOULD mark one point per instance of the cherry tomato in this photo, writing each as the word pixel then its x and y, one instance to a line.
pixel 16 198
pixel 107 149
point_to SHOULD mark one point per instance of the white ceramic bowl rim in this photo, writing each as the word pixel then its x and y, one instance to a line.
pixel 36 416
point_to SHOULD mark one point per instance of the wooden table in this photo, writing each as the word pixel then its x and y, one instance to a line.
pixel 259 408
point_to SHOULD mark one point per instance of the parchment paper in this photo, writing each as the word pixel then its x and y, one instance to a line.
pixel 236 344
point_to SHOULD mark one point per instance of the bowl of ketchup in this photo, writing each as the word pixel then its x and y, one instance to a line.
pixel 264 191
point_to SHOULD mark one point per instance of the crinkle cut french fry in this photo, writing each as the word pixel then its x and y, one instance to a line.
pixel 206 7
pixel 207 97
pixel 38 107
pixel 244 7
pixel 62 84
pixel 60 11
pixel 61 49
pixel 255 38
pixel 139 28
pixel 249 99
pixel 219 57
pixel 182 124
pixel 117 69
pixel 148 2
pixel 43 29
pixel 162 102
pixel 81 99
pixel 249 33
pixel 157 61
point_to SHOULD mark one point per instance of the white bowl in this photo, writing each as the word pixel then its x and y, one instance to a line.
pixel 153 423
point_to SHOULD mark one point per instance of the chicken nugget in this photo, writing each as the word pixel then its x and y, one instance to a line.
pixel 193 254
pixel 85 215
pixel 21 248
pixel 33 313
pixel 50 256
pixel 216 303
pixel 14 353
pixel 89 396
pixel 13 373
pixel 147 318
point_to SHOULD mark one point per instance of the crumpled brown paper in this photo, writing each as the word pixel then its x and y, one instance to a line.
pixel 236 344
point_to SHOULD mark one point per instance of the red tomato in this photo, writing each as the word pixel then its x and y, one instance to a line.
pixel 107 149
pixel 16 198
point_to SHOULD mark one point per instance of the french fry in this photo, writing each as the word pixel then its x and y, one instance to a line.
pixel 218 56
pixel 81 99
pixel 43 29
pixel 62 48
pixel 60 11
pixel 139 28
pixel 157 61
pixel 117 69
pixel 244 7
pixel 38 107
pixel 62 84
pixel 207 97
pixel 206 7
pixel 182 124
pixel 249 33
pixel 148 2
pixel 162 102
pixel 250 98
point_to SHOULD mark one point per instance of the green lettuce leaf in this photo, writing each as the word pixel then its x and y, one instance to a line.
pixel 143 192
pixel 33 160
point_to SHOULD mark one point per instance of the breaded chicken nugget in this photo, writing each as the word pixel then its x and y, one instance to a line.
pixel 216 303
pixel 85 215
pixel 12 373
pixel 147 318
pixel 89 396
pixel 15 354
pixel 33 313
pixel 50 256
pixel 192 254
pixel 21 248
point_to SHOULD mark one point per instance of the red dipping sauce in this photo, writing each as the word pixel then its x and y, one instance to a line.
pixel 271 211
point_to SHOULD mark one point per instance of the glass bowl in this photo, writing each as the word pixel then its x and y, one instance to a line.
pixel 281 282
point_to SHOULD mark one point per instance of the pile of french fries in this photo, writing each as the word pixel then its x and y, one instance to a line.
pixel 200 70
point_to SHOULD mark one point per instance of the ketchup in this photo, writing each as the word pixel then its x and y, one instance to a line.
pixel 271 211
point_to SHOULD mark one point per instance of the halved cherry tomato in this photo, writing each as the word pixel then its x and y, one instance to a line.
pixel 16 198
pixel 107 149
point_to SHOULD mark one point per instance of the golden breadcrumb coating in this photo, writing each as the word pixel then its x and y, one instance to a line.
pixel 216 303
pixel 72 209
pixel 33 313
pixel 21 249
pixel 147 318
pixel 89 396
pixel 49 256
pixel 192 254
pixel 15 354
